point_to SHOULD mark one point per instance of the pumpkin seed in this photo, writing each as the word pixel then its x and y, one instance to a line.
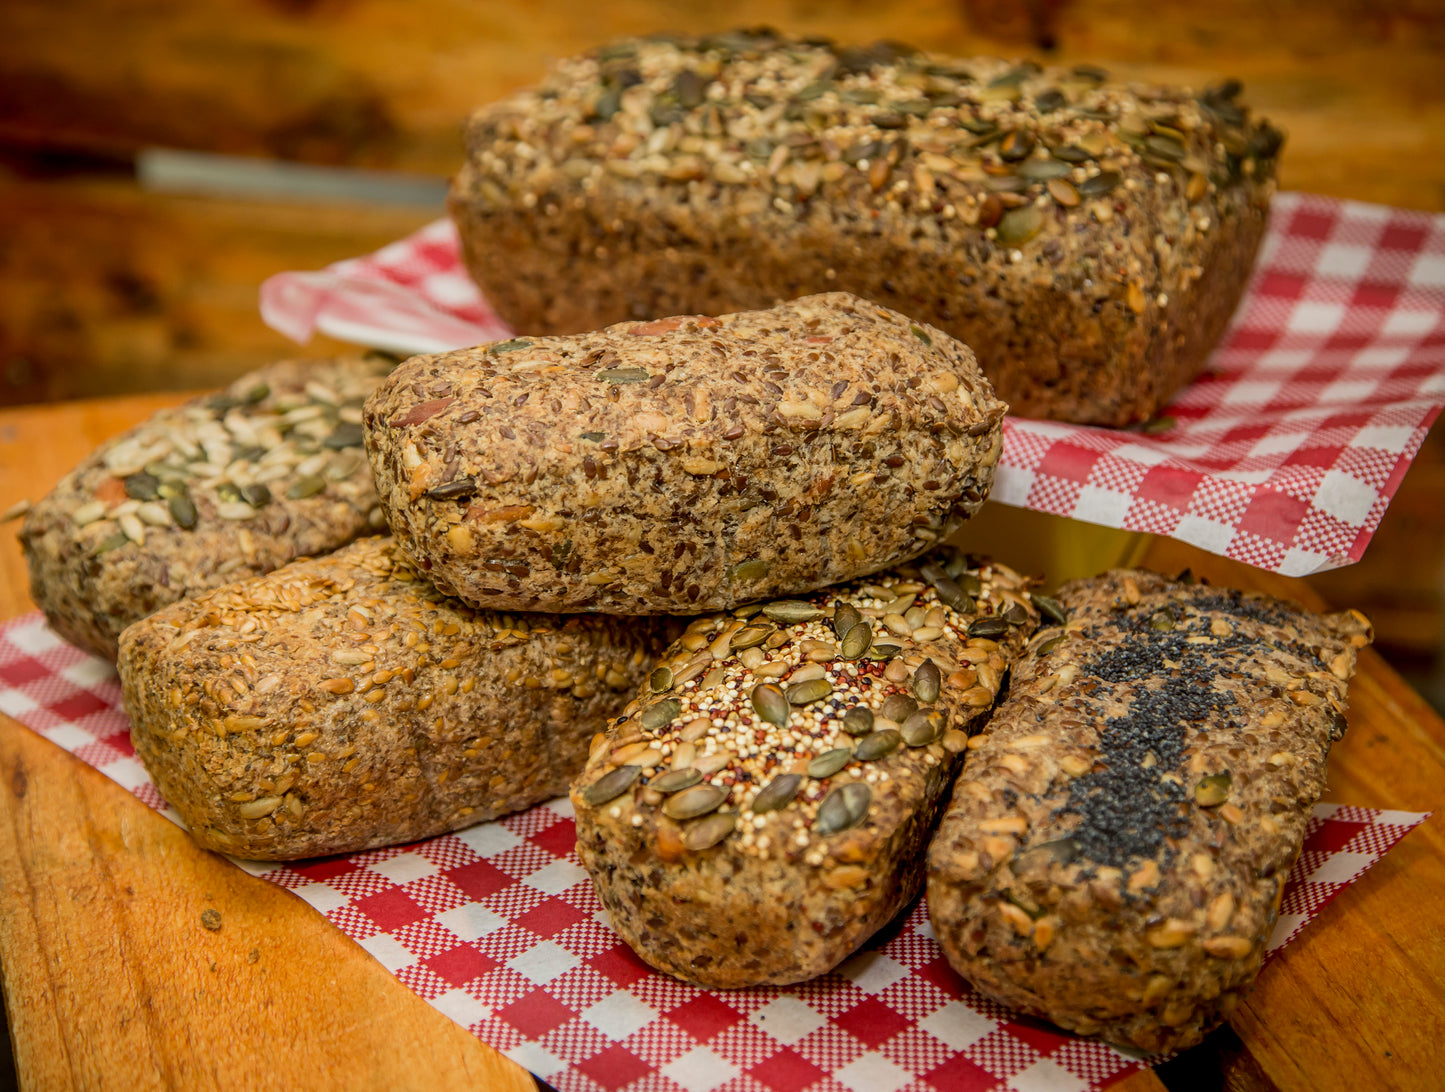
pixel 660 680
pixel 183 511
pixel 1015 614
pixel 1062 850
pixel 829 762
pixel 659 714
pixel 1213 790
pixel 857 641
pixel 610 785
pixel 708 832
pixel 771 704
pixel 623 376
pixel 790 611
pixel 805 693
pixel 923 727
pixel 305 487
pixel 675 780
pixel 1051 644
pixel 858 721
pixel 690 803
pixel 257 495
pixel 1051 609
pixel 1071 153
pixel 510 346
pixel 897 707
pixel 1018 226
pixel 877 745
pixel 1042 170
pixel 844 619
pixel 843 808
pixel 1099 184
pixel 750 637
pixel 927 682
pixel 884 651
pixel 141 486
pixel 346 434
pixel 1015 145
pixel 778 793
pixel 953 595
pixel 987 627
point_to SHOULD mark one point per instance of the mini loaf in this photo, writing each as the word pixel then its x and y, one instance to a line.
pixel 762 808
pixel 1116 847
pixel 1088 239
pixel 343 703
pixel 227 486
pixel 687 464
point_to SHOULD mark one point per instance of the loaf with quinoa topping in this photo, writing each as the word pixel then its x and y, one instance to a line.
pixel 1117 844
pixel 687 464
pixel 229 485
pixel 343 703
pixel 763 807
pixel 1089 239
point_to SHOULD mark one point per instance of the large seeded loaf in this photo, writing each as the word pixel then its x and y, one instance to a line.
pixel 343 703
pixel 763 807
pixel 227 486
pixel 687 464
pixel 1116 847
pixel 1089 240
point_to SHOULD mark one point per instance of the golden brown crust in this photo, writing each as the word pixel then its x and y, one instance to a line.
pixel 1117 844
pixel 343 703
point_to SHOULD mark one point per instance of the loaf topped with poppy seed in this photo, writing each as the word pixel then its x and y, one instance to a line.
pixel 761 809
pixel 686 464
pixel 1088 239
pixel 1116 847
pixel 229 485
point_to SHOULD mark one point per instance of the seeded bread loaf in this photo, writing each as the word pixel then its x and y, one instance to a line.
pixel 227 486
pixel 1116 847
pixel 687 464
pixel 762 808
pixel 343 703
pixel 1089 240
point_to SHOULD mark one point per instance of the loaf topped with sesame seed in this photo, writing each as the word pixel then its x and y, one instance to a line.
pixel 1088 239
pixel 1116 847
pixel 762 808
pixel 342 703
pixel 229 485
pixel 686 464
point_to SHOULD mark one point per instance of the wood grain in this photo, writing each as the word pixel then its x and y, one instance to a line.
pixel 108 970
pixel 111 980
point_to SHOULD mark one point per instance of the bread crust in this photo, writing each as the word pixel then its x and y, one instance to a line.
pixel 1116 847
pixel 342 703
pixel 1088 239
pixel 684 465
pixel 699 873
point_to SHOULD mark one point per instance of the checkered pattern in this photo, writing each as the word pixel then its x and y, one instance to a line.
pixel 1285 453
pixel 498 927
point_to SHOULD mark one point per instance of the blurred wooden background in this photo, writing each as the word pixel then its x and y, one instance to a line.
pixel 109 287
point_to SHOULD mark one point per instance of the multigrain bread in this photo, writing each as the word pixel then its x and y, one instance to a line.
pixel 343 703
pixel 687 464
pixel 762 808
pixel 1116 847
pixel 229 485
pixel 1089 240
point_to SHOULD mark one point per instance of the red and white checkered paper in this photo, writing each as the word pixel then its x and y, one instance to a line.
pixel 1286 451
pixel 497 926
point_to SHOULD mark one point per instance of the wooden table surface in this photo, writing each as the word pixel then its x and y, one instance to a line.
pixel 111 981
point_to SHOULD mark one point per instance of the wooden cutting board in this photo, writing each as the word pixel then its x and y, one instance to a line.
pixel 112 980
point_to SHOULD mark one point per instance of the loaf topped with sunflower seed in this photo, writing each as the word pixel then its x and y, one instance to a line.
pixel 685 464
pixel 1088 239
pixel 761 809
pixel 232 484
pixel 1117 845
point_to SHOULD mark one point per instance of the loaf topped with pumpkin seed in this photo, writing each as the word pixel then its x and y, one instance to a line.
pixel 229 485
pixel 1088 238
pixel 687 464
pixel 1117 845
pixel 762 808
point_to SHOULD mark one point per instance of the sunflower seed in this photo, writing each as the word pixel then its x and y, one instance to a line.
pixel 708 832
pixel 927 682
pixel 877 745
pixel 790 611
pixel 858 721
pixel 750 637
pixel 675 780
pixel 610 785
pixel 458 489
pixel 690 803
pixel 771 704
pixel 844 807
pixel 663 712
pixel 778 793
pixel 804 693
pixel 829 762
